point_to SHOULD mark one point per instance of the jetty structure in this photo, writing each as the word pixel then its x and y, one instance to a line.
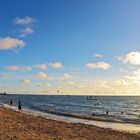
pixel 2 93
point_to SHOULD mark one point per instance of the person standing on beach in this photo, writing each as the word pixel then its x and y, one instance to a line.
pixel 11 101
pixel 19 105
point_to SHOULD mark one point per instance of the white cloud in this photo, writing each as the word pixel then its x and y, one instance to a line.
pixel 9 43
pixel 26 31
pixel 123 82
pixel 132 58
pixel 66 76
pixel 4 76
pixel 135 75
pixel 41 75
pixel 132 78
pixel 137 72
pixel 18 68
pixel 24 21
pixel 41 66
pixel 25 81
pixel 56 65
pixel 99 65
pixel 98 55
pixel 70 83
pixel 44 85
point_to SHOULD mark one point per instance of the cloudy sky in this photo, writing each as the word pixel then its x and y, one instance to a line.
pixel 70 47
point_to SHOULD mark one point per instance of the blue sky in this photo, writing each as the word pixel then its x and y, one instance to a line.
pixel 77 42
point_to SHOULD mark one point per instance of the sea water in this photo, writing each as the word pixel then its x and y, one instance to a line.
pixel 120 108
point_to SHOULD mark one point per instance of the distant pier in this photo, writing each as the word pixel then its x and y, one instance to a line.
pixel 4 93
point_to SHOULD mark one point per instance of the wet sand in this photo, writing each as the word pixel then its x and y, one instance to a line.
pixel 18 126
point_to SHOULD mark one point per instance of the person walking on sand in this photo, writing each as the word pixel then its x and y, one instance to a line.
pixel 19 105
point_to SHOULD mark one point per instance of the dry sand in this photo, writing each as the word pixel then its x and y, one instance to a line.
pixel 19 126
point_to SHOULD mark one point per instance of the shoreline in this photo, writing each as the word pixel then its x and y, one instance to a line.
pixel 96 117
pixel 103 123
pixel 18 125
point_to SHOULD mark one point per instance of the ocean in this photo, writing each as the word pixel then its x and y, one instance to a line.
pixel 119 108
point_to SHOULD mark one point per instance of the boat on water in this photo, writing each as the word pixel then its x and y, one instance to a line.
pixel 91 98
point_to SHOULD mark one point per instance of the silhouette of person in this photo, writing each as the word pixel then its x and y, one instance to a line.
pixel 11 101
pixel 121 112
pixel 19 105
pixel 107 113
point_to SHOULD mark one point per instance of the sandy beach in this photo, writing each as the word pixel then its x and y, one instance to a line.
pixel 19 126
